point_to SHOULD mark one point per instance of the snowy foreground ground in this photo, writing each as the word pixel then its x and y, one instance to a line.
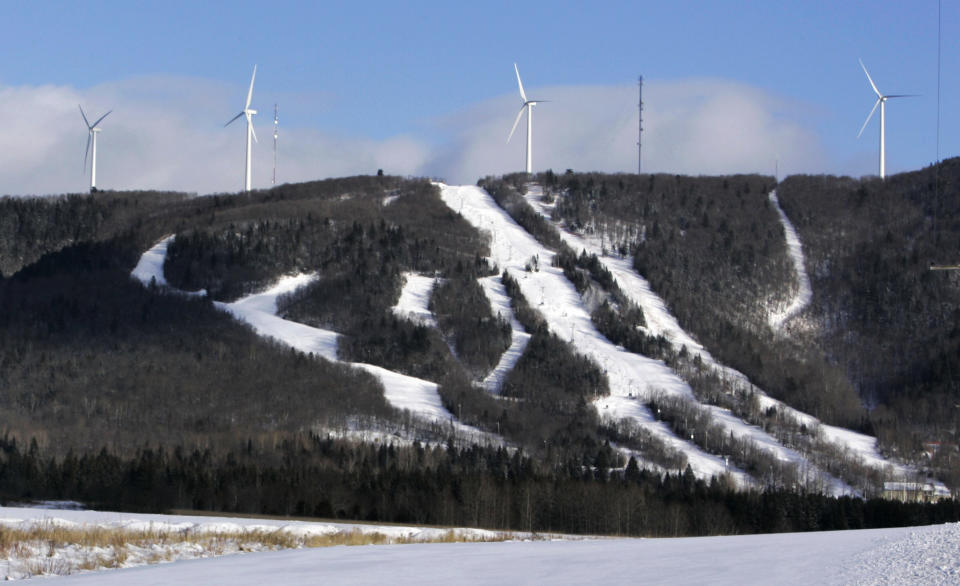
pixel 913 555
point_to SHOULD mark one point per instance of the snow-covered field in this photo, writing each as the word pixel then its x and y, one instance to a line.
pixel 917 555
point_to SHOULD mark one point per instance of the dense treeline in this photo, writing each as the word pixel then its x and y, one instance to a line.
pixel 481 487
pixel 465 317
pixel 889 322
pixel 91 357
pixel 31 227
pixel 543 404
pixel 343 231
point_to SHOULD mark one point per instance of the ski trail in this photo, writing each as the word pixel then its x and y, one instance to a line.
pixel 631 376
pixel 661 322
pixel 414 305
pixel 414 302
pixel 500 302
pixel 804 293
pixel 150 266
pixel 403 392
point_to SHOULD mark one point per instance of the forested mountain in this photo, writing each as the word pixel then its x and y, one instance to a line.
pixel 878 312
pixel 876 350
pixel 93 362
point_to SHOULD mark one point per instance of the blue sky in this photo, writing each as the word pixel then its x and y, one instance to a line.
pixel 428 88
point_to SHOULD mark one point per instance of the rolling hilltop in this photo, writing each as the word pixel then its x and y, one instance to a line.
pixel 536 352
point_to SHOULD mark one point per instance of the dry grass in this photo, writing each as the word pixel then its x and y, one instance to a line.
pixel 53 549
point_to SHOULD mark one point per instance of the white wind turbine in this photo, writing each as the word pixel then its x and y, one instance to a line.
pixel 528 106
pixel 250 132
pixel 92 131
pixel 882 102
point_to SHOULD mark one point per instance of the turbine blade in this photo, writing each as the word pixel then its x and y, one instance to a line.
pixel 250 126
pixel 523 95
pixel 903 96
pixel 870 79
pixel 84 116
pixel 515 122
pixel 232 119
pixel 99 120
pixel 86 153
pixel 250 93
pixel 869 116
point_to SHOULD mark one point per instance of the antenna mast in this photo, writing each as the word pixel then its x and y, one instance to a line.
pixel 640 129
pixel 276 119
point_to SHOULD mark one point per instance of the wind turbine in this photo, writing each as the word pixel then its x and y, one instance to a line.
pixel 250 132
pixel 528 106
pixel 92 131
pixel 882 102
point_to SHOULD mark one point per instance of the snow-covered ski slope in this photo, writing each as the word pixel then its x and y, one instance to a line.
pixel 661 322
pixel 259 310
pixel 795 250
pixel 414 302
pixel 500 302
pixel 631 376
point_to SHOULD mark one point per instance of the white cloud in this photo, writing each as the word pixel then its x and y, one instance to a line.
pixel 166 133
pixel 690 127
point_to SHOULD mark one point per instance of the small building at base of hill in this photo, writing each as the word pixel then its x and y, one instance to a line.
pixel 914 492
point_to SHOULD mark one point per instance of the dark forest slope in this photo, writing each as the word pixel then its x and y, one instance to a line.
pixel 878 311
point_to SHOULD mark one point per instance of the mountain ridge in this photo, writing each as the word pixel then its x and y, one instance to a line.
pixel 353 207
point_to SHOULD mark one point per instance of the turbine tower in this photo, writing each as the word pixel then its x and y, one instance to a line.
pixel 250 132
pixel 528 106
pixel 882 102
pixel 276 121
pixel 92 131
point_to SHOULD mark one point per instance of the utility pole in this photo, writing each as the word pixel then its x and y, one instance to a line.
pixel 640 128
pixel 276 119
